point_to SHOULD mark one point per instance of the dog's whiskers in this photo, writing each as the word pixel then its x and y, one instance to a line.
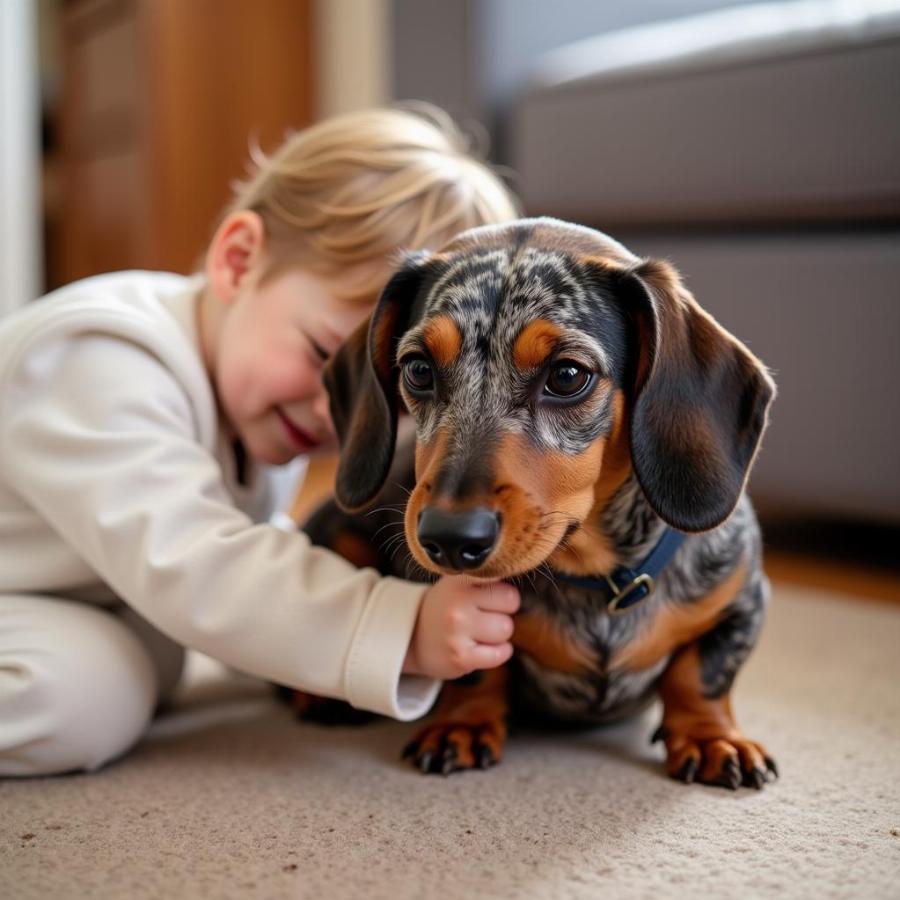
pixel 404 488
pixel 399 508
pixel 415 571
pixel 388 525
pixel 393 545
pixel 548 573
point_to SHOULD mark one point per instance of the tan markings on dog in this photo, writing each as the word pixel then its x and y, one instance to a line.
pixel 588 551
pixel 383 327
pixel 540 638
pixel 677 624
pixel 539 494
pixel 545 493
pixel 616 457
pixel 443 339
pixel 534 344
pixel 700 728
pixel 466 714
pixel 300 701
pixel 686 709
pixel 429 456
pixel 472 703
pixel 355 549
pixel 428 459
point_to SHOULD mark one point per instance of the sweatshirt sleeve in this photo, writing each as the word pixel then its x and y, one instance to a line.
pixel 100 439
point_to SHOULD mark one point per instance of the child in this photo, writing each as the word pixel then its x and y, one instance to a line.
pixel 147 423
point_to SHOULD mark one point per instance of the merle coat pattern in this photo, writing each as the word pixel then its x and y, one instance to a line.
pixel 581 396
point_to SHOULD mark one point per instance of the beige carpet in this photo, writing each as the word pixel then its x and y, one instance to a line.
pixel 230 798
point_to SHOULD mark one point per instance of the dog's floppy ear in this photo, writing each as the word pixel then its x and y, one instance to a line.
pixel 361 379
pixel 700 404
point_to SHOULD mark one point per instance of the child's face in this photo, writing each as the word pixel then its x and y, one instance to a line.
pixel 272 345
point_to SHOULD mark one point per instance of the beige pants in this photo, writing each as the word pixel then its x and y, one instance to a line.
pixel 78 683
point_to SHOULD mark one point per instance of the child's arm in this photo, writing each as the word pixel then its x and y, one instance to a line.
pixel 102 441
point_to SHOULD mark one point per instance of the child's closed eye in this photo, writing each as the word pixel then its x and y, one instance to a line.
pixel 318 349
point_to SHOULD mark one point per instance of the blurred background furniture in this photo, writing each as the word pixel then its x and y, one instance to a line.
pixel 758 148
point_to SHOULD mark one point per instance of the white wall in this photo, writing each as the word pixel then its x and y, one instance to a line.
pixel 20 207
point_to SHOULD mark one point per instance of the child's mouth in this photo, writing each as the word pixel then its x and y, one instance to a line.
pixel 298 437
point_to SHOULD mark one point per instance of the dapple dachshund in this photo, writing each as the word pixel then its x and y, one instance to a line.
pixel 584 429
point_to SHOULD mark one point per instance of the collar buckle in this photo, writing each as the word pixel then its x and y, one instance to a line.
pixel 636 591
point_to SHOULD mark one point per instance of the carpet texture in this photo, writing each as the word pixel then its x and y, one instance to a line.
pixel 228 797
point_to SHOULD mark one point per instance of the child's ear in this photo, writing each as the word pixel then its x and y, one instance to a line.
pixel 236 249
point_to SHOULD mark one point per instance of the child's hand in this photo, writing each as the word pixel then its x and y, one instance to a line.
pixel 462 626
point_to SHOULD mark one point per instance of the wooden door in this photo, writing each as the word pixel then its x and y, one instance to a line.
pixel 162 100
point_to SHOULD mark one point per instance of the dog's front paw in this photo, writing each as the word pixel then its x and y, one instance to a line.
pixel 727 761
pixel 445 747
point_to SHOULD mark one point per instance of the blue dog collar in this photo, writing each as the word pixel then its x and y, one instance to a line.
pixel 625 587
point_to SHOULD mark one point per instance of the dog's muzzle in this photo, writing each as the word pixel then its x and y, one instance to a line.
pixel 458 540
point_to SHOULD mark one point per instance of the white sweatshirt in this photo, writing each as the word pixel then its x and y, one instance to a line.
pixel 117 481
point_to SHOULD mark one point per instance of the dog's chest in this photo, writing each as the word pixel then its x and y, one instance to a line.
pixel 563 659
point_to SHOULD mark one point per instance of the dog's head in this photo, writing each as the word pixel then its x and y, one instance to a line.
pixel 543 363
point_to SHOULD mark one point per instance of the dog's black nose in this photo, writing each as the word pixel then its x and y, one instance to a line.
pixel 458 540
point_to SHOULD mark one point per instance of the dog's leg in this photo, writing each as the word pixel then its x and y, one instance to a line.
pixel 468 729
pixel 703 742
pixel 323 710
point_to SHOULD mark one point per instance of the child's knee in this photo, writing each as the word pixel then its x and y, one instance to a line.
pixel 77 688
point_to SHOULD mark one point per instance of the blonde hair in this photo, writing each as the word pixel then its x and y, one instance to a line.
pixel 360 187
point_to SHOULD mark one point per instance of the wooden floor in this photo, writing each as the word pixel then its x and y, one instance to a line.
pixel 834 564
pixel 845 577
pixel 317 487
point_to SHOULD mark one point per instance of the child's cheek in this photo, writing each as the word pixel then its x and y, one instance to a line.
pixel 245 388
pixel 297 380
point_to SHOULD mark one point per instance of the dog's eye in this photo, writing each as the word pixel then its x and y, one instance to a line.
pixel 418 375
pixel 566 379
